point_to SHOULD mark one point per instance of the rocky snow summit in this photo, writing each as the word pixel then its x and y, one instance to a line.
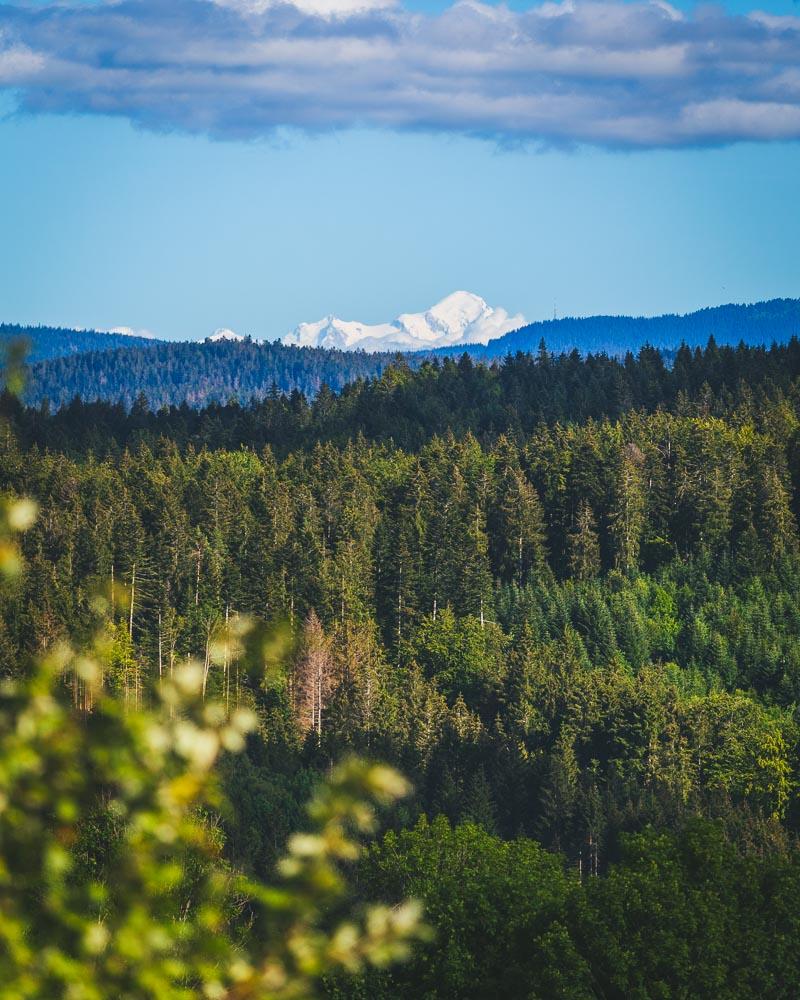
pixel 460 318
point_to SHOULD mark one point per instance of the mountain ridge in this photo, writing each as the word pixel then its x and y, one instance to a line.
pixel 756 322
pixel 48 342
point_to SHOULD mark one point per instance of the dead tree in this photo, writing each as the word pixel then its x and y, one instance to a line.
pixel 314 676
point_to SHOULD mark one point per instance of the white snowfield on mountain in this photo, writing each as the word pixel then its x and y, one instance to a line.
pixel 460 318
pixel 224 334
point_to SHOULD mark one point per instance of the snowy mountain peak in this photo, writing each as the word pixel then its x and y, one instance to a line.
pixel 224 334
pixel 460 318
pixel 459 309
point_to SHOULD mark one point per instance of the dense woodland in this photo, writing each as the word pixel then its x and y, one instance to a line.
pixel 44 342
pixel 197 374
pixel 561 594
pixel 406 407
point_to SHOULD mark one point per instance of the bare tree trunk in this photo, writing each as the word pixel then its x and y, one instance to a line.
pixel 133 596
pixel 160 652
pixel 319 704
pixel 225 664
pixel 206 662
pixel 368 707
pixel 172 648
pixel 400 603
pixel 197 578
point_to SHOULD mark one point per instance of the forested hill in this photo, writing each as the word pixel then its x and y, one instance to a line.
pixel 197 373
pixel 44 342
pixel 408 407
pixel 759 323
pixel 575 630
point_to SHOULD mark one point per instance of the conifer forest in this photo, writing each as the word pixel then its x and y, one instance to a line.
pixel 555 597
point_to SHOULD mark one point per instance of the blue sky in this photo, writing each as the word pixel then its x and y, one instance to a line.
pixel 187 210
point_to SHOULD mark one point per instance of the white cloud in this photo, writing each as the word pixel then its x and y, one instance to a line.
pixel 17 62
pixel 323 8
pixel 606 72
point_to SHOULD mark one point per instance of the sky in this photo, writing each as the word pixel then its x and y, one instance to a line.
pixel 178 167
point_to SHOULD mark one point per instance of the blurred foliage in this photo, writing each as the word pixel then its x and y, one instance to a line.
pixel 112 880
pixel 15 516
pixel 12 364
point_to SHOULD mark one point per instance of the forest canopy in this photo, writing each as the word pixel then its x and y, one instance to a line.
pixel 559 594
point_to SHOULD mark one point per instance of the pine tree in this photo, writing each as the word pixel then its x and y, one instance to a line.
pixel 627 515
pixel 584 545
pixel 517 530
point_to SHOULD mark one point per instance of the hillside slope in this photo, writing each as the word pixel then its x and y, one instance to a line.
pixel 45 342
pixel 759 323
pixel 197 373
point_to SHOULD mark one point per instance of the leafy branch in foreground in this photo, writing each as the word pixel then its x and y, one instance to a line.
pixel 112 880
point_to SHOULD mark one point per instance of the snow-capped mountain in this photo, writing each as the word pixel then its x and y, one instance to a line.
pixel 460 318
pixel 224 334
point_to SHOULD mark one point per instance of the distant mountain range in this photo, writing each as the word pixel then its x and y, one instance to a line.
pixel 459 319
pixel 118 367
pixel 759 323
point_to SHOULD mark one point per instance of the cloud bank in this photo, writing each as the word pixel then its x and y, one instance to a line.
pixel 599 72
